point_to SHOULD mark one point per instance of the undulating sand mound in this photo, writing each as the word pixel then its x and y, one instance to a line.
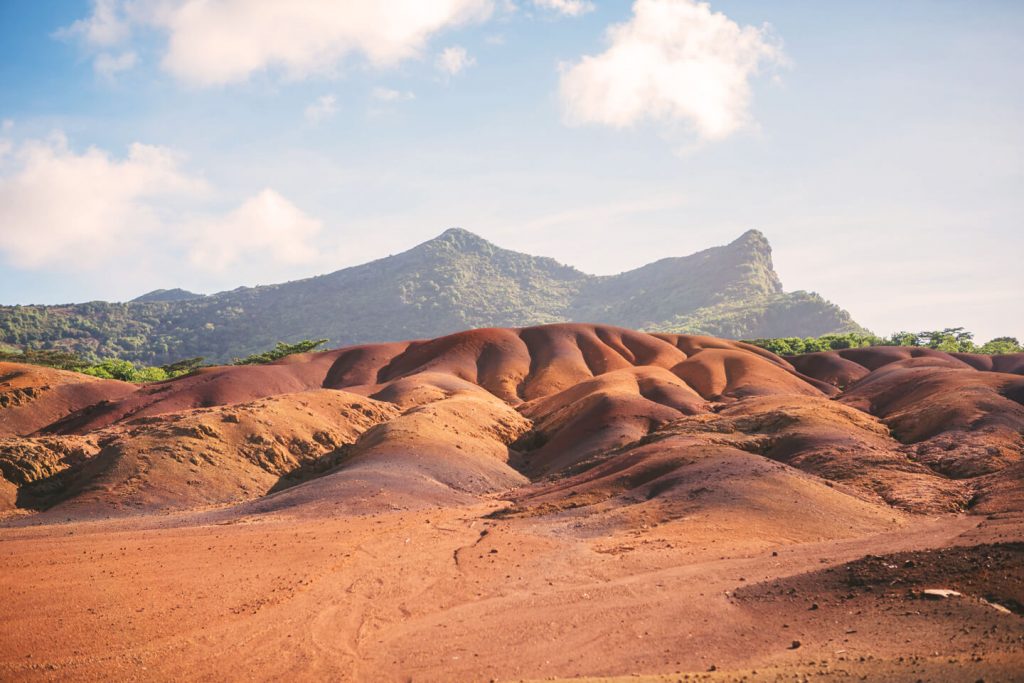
pixel 512 503
pixel 33 397
pixel 924 430
pixel 190 458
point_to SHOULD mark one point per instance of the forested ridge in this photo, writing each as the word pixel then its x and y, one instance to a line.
pixel 453 282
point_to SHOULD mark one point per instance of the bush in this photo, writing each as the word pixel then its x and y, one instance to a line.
pixel 125 371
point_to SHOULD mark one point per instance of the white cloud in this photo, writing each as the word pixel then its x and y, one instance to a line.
pixel 322 108
pixel 60 207
pixel 674 61
pixel 266 223
pixel 6 145
pixel 454 60
pixel 107 65
pixel 389 95
pixel 106 26
pixel 214 42
pixel 569 8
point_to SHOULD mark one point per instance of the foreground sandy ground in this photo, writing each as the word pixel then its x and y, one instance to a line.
pixel 447 594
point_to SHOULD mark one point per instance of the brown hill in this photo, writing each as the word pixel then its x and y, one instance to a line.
pixel 539 402
pixel 552 499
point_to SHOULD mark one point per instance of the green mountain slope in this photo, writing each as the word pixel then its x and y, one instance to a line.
pixel 453 282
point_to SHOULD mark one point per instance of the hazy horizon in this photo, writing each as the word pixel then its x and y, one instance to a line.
pixel 878 147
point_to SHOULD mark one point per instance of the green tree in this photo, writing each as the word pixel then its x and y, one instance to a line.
pixel 183 367
pixel 51 358
pixel 950 340
pixel 113 368
pixel 150 374
pixel 280 351
pixel 1001 345
pixel 902 339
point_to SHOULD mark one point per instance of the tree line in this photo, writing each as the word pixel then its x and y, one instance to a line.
pixel 950 339
pixel 126 371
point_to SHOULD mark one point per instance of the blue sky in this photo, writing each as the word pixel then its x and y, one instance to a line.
pixel 879 145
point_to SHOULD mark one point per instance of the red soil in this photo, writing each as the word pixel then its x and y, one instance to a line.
pixel 553 501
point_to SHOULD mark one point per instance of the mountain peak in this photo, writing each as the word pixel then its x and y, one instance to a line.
pixel 176 294
pixel 752 240
pixel 461 239
pixel 457 232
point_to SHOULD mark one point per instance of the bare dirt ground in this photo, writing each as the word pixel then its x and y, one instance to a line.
pixel 448 594
pixel 563 503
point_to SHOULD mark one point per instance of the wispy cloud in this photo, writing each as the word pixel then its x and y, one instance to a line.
pixel 454 60
pixel 266 223
pixel 390 95
pixel 105 27
pixel 674 61
pixel 321 108
pixel 583 216
pixel 107 65
pixel 569 8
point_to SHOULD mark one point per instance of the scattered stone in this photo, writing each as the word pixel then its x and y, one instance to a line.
pixel 996 606
pixel 939 593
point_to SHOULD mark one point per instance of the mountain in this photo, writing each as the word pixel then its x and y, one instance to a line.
pixel 176 294
pixel 453 282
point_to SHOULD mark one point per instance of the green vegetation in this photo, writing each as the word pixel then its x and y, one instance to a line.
pixel 1000 345
pixel 454 282
pixel 107 368
pixel 951 340
pixel 280 351
pixel 51 358
pixel 767 316
pixel 127 371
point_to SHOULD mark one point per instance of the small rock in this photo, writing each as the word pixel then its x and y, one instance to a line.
pixel 939 593
pixel 997 607
pixel 794 645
